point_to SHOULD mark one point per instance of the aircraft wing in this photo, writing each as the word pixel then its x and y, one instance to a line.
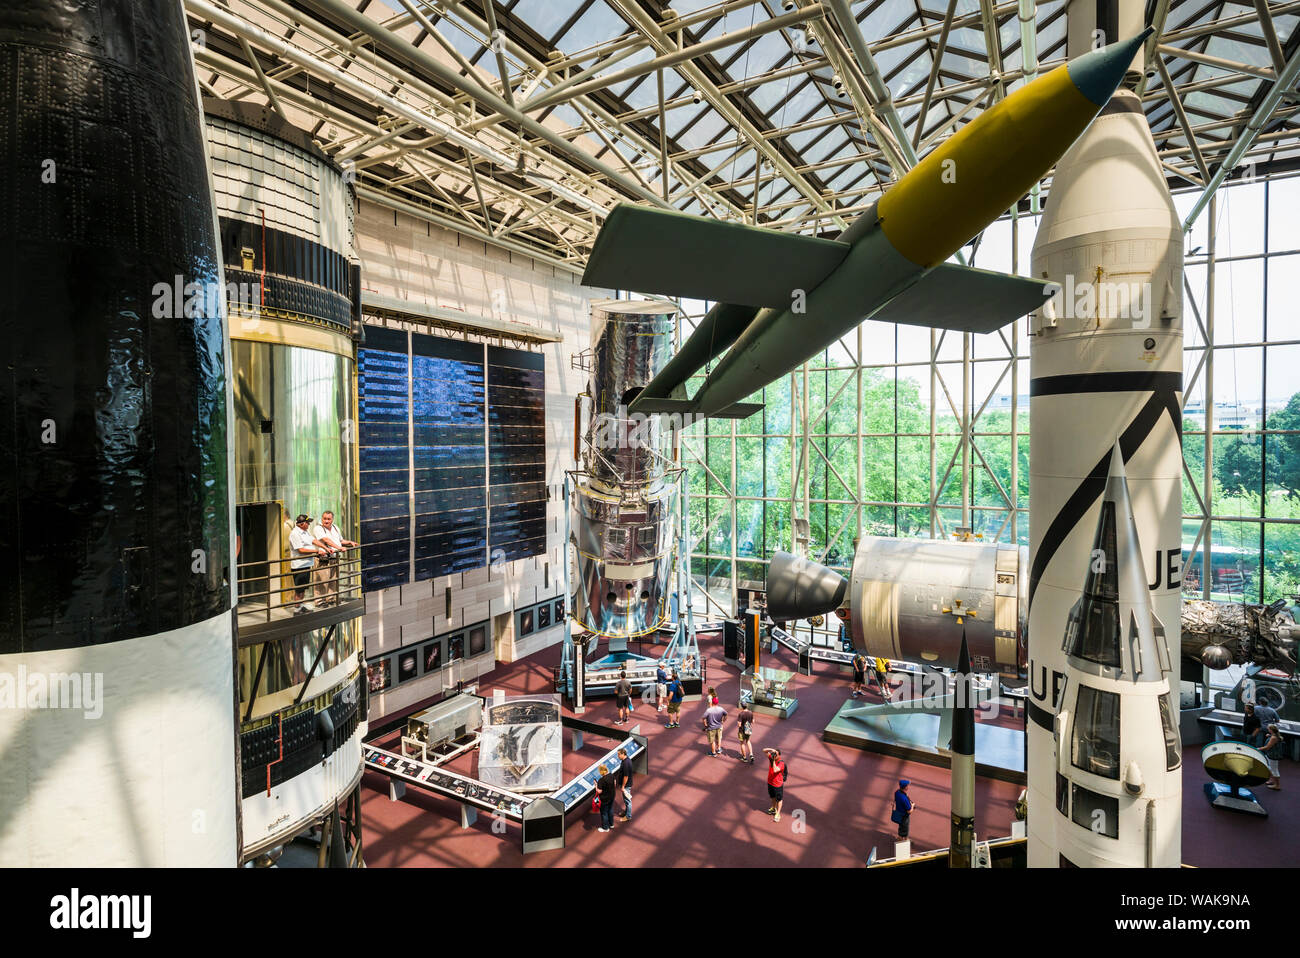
pixel 675 254
pixel 961 298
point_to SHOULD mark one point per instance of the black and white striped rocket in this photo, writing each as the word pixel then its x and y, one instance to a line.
pixel 1118 756
pixel 1106 356
pixel 961 847
pixel 117 696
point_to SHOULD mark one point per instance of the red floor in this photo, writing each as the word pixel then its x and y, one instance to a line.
pixel 692 810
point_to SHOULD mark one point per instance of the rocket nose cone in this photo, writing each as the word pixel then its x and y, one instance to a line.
pixel 1098 74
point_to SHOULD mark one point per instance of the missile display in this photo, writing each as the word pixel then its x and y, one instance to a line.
pixel 961 847
pixel 1117 753
pixel 1107 359
pixel 115 544
pixel 782 298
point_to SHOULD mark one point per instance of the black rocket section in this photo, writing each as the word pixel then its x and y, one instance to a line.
pixel 113 472
pixel 963 715
pixel 962 756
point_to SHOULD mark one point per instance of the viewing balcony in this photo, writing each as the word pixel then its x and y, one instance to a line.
pixel 268 609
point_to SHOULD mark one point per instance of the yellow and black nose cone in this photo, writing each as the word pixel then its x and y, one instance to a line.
pixel 1098 74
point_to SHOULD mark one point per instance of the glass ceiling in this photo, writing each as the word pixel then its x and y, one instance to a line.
pixel 789 90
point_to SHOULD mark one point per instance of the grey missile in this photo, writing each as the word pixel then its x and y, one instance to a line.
pixel 962 753
pixel 786 296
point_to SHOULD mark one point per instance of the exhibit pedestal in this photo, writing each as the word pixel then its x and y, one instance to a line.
pixel 1234 800
pixel 914 734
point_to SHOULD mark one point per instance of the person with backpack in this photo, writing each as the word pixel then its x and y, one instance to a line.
pixel 745 729
pixel 1273 749
pixel 676 693
pixel 777 773
pixel 859 673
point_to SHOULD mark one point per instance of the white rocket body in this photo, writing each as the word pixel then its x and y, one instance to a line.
pixel 1106 359
pixel 1118 754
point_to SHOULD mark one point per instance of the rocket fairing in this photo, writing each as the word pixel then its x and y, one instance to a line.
pixel 1107 359
pixel 115 533
pixel 783 297
pixel 961 847
pixel 1118 755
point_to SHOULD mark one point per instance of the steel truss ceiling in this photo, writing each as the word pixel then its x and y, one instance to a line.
pixel 522 122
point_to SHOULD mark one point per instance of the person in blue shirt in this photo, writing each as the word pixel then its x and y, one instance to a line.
pixel 661 687
pixel 902 814
pixel 675 695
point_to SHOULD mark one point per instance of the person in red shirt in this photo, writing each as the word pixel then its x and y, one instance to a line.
pixel 775 781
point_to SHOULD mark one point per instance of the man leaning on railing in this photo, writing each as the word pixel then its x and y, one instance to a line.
pixel 330 544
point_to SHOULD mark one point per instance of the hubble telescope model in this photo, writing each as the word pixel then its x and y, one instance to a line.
pixel 782 298
pixel 623 503
pixel 1118 756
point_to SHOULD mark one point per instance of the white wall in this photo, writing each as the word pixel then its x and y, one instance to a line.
pixel 406 258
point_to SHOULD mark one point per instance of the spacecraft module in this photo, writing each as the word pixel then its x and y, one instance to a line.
pixel 624 525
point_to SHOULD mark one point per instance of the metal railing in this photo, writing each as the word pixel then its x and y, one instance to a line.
pixel 267 591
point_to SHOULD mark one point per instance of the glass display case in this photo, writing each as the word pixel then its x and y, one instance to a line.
pixel 769 687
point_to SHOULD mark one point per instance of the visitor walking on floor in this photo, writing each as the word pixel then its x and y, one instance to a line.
pixel 661 688
pixel 902 813
pixel 745 729
pixel 605 791
pixel 624 780
pixel 714 716
pixel 775 781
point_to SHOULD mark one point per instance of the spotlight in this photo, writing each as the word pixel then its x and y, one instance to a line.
pixel 787 4
pixel 695 96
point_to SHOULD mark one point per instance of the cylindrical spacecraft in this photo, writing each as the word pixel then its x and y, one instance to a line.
pixel 1117 776
pixel 117 726
pixel 624 518
pixel 1107 357
pixel 910 599
pixel 287 228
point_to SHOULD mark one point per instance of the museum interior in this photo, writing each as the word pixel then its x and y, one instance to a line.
pixel 752 464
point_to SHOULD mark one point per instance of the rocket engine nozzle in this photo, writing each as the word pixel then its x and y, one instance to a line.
pixel 798 588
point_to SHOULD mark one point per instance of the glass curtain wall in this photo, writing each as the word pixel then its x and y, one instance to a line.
pixel 867 438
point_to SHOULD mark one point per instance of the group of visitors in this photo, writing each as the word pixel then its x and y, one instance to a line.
pixel 880 671
pixel 316 549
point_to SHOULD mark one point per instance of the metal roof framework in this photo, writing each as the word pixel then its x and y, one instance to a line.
pixel 522 122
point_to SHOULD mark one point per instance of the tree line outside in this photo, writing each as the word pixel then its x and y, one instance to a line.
pixel 1255 475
